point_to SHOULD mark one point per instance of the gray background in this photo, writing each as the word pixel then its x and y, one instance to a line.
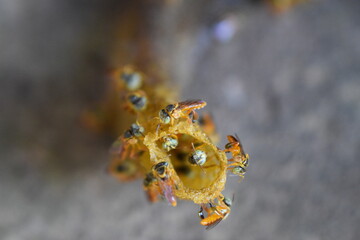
pixel 287 84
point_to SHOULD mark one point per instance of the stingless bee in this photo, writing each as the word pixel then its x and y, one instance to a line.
pixel 133 80
pixel 151 187
pixel 215 212
pixel 197 157
pixel 135 130
pixel 162 173
pixel 136 101
pixel 239 160
pixel 169 142
pixel 124 169
pixel 206 122
pixel 178 110
pixel 128 145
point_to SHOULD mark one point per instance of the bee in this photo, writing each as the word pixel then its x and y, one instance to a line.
pixel 215 212
pixel 128 144
pixel 151 187
pixel 136 101
pixel 239 160
pixel 123 169
pixel 169 142
pixel 132 79
pixel 162 173
pixel 197 157
pixel 206 122
pixel 178 110
pixel 135 130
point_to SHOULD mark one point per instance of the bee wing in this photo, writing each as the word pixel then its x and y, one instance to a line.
pixel 117 148
pixel 232 139
pixel 167 192
pixel 240 145
pixel 191 104
pixel 214 224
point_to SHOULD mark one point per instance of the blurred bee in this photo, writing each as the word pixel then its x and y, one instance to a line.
pixel 151 187
pixel 281 6
pixel 162 173
pixel 131 79
pixel 239 160
pixel 207 123
pixel 136 101
pixel 178 110
pixel 169 142
pixel 128 145
pixel 135 130
pixel 124 169
pixel 215 212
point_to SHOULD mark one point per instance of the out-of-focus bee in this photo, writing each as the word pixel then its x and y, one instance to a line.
pixel 128 144
pixel 136 101
pixel 207 123
pixel 178 110
pixel 135 130
pixel 169 142
pixel 132 79
pixel 216 212
pixel 124 169
pixel 239 160
pixel 152 187
pixel 281 6
pixel 163 173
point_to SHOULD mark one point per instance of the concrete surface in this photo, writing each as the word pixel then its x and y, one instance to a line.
pixel 288 85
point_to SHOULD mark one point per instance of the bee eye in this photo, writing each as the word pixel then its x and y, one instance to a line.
pixel 227 202
pixel 160 168
pixel 228 145
pixel 238 170
pixel 137 130
pixel 128 134
pixel 201 214
pixel 164 116
pixel 149 179
pixel 170 107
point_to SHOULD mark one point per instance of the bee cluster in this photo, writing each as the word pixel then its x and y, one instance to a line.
pixel 173 149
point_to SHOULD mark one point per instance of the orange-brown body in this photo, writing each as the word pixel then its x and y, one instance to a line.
pixel 207 124
pixel 215 214
pixel 184 109
pixel 163 174
pixel 239 161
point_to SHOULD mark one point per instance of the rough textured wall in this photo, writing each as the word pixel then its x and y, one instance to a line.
pixel 288 85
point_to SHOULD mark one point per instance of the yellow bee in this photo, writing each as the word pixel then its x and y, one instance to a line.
pixel 178 110
pixel 162 173
pixel 136 101
pixel 151 187
pixel 170 142
pixel 215 212
pixel 239 160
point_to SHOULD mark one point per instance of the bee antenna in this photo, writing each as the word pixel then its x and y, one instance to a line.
pixel 237 137
pixel 192 144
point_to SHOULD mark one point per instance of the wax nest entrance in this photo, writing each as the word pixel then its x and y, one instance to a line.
pixel 200 184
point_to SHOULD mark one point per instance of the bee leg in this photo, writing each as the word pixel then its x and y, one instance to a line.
pixel 201 213
pixel 157 129
pixel 232 165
